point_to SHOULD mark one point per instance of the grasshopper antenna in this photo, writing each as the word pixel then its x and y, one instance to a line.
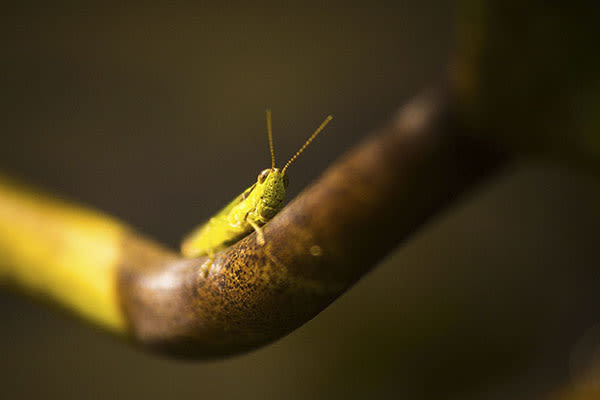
pixel 270 133
pixel 305 145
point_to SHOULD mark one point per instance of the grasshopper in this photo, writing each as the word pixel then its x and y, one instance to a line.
pixel 249 211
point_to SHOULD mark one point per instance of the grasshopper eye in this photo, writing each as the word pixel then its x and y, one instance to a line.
pixel 286 181
pixel 263 175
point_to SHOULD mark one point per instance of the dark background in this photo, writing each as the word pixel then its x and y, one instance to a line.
pixel 155 114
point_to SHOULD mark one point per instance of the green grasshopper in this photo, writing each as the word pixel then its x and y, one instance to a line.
pixel 248 211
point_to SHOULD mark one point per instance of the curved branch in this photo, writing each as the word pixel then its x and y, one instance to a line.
pixel 249 295
pixel 317 246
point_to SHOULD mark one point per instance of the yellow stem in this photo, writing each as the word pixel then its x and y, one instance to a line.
pixel 61 251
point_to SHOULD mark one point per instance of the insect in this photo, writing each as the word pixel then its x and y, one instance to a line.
pixel 249 211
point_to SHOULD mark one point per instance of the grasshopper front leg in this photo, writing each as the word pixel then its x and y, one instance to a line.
pixel 252 220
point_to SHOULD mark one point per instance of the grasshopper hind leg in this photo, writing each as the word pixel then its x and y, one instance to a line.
pixel 206 267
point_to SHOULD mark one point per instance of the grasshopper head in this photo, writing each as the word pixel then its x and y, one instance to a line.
pixel 270 188
pixel 269 191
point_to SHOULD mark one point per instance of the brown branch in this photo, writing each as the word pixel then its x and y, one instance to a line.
pixel 317 247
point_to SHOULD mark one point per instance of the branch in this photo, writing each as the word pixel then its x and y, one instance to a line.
pixel 317 247
pixel 250 295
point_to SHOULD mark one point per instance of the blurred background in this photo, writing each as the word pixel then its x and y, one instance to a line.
pixel 155 114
